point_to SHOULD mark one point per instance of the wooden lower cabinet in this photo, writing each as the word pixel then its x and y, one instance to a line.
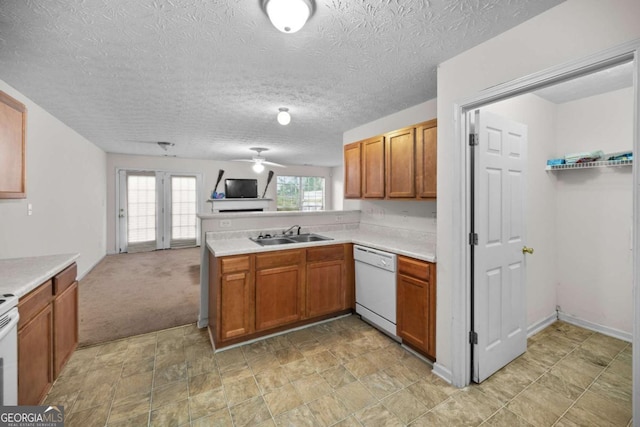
pixel 231 296
pixel 416 304
pixel 35 357
pixel 279 288
pixel 256 294
pixel 47 334
pixel 326 280
pixel 65 326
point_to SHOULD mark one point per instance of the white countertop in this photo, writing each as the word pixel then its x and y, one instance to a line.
pixel 419 249
pixel 19 276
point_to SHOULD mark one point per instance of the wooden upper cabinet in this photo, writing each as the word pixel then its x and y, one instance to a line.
pixel 13 129
pixel 398 165
pixel 400 148
pixel 373 166
pixel 352 171
pixel 426 159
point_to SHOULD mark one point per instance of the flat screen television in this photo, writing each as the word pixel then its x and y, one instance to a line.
pixel 241 188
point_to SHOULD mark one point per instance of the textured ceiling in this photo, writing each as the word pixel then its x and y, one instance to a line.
pixel 210 75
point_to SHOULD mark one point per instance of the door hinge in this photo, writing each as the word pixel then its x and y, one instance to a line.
pixel 473 337
pixel 474 139
pixel 473 239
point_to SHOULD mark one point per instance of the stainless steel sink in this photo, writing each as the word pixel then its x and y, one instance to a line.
pixel 309 238
pixel 283 240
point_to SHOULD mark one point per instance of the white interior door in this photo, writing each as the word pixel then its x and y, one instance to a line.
pixel 499 297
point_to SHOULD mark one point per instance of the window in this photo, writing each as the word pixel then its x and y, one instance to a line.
pixel 300 193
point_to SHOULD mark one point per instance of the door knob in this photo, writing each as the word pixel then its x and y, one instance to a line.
pixel 526 250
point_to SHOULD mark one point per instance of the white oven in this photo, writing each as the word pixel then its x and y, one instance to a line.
pixel 9 357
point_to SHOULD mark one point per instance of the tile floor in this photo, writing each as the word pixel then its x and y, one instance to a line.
pixel 341 373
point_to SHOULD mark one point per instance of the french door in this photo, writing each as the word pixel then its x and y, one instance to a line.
pixel 157 210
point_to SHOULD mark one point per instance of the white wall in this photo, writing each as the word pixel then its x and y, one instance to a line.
pixel 595 213
pixel 209 170
pixel 337 187
pixel 573 29
pixel 67 188
pixel 540 219
pixel 413 215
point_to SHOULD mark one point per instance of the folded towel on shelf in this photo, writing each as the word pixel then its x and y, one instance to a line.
pixel 583 157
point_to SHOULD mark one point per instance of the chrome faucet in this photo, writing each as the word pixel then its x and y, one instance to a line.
pixel 290 230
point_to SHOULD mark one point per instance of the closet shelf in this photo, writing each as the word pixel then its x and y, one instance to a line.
pixel 589 165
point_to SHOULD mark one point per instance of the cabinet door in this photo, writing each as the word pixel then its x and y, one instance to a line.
pixel 325 288
pixel 13 128
pixel 352 171
pixel 413 302
pixel 65 320
pixel 426 159
pixel 235 305
pixel 278 296
pixel 400 160
pixel 373 168
pixel 35 358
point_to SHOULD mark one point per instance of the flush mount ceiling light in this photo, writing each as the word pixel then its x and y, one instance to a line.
pixel 284 118
pixel 288 16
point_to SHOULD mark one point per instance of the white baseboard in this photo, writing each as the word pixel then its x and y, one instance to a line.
pixel 84 274
pixel 442 372
pixel 541 324
pixel 203 323
pixel 605 330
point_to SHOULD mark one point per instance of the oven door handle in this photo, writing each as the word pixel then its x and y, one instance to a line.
pixel 14 317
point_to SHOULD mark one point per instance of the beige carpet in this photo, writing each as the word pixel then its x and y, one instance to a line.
pixel 131 294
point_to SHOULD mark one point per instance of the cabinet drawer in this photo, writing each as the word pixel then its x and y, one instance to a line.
pixel 325 253
pixel 234 264
pixel 34 302
pixel 278 259
pixel 64 279
pixel 414 268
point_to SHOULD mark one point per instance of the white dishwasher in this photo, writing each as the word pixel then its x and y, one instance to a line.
pixel 376 287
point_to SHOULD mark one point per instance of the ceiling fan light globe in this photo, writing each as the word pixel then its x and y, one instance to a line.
pixel 288 16
pixel 284 118
pixel 258 167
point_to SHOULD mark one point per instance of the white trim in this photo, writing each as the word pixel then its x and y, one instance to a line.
pixel 605 330
pixel 442 372
pixel 541 324
pixel 460 314
pixel 635 351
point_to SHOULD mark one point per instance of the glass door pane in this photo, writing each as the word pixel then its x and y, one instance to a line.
pixel 141 212
pixel 183 211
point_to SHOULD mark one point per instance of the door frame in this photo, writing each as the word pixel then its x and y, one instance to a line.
pixel 161 197
pixel 461 268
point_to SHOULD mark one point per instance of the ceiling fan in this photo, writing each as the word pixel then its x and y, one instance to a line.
pixel 258 160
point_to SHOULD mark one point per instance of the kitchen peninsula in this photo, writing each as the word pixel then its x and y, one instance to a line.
pixel 253 273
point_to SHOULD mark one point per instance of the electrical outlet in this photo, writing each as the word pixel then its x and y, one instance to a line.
pixel 339 218
pixel 225 223
pixel 29 209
